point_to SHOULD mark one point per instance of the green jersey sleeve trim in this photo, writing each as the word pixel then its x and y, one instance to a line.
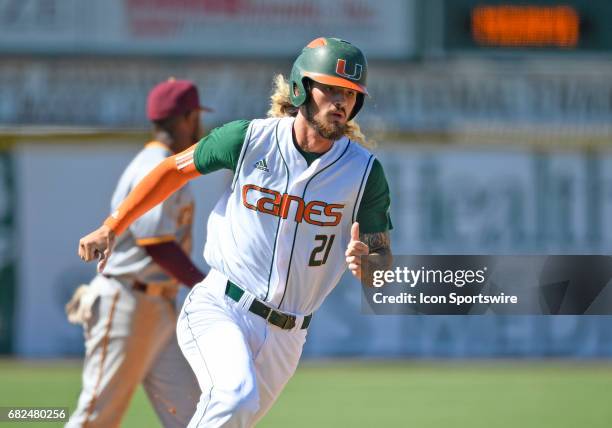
pixel 373 214
pixel 221 148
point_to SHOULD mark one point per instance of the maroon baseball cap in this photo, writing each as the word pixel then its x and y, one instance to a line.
pixel 173 98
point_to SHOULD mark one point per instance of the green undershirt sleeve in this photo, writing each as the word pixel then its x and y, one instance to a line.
pixel 221 148
pixel 373 214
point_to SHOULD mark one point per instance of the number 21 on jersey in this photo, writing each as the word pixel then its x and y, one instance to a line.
pixel 325 243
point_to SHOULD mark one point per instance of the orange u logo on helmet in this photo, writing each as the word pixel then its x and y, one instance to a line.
pixel 341 70
pixel 271 202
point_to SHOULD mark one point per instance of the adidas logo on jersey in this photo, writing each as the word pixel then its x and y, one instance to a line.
pixel 262 165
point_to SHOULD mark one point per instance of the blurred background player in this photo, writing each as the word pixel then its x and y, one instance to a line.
pixel 128 312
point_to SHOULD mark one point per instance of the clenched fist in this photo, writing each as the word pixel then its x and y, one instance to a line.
pixel 97 245
pixel 354 251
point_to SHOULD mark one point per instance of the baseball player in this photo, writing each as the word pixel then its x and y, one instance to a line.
pixel 128 312
pixel 306 201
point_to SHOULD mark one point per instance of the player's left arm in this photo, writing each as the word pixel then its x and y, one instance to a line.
pixel 370 233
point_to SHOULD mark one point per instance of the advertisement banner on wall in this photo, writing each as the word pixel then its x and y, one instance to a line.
pixel 471 99
pixel 236 28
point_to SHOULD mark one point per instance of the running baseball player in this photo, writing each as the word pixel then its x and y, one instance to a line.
pixel 128 312
pixel 306 201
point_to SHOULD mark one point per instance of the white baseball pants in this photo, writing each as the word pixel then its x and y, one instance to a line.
pixel 242 363
pixel 130 338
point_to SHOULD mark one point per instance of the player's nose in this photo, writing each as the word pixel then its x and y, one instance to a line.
pixel 339 96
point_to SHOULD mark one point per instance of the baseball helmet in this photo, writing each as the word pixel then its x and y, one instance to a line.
pixel 329 61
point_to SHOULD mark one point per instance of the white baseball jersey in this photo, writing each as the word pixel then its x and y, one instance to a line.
pixel 170 220
pixel 282 228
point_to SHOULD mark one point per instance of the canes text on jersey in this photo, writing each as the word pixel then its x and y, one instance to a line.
pixel 269 201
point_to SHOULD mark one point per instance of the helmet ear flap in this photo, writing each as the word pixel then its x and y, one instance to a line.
pixel 306 84
pixel 358 104
pixel 298 92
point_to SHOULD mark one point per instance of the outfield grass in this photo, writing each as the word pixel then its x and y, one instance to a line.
pixel 380 394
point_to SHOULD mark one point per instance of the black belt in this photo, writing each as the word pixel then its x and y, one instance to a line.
pixel 277 318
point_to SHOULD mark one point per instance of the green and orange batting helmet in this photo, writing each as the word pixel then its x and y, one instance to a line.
pixel 329 61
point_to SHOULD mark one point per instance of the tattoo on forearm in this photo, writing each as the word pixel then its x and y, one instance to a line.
pixel 379 243
pixel 380 246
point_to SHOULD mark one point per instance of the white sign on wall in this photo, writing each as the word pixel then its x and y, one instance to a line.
pixel 234 28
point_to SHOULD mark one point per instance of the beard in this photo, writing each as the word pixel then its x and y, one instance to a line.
pixel 326 129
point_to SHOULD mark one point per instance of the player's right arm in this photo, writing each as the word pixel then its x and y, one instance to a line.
pixel 219 150
pixel 165 179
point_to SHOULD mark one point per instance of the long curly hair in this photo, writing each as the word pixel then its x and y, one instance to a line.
pixel 280 106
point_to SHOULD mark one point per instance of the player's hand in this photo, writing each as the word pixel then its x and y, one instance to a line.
pixel 354 251
pixel 97 245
